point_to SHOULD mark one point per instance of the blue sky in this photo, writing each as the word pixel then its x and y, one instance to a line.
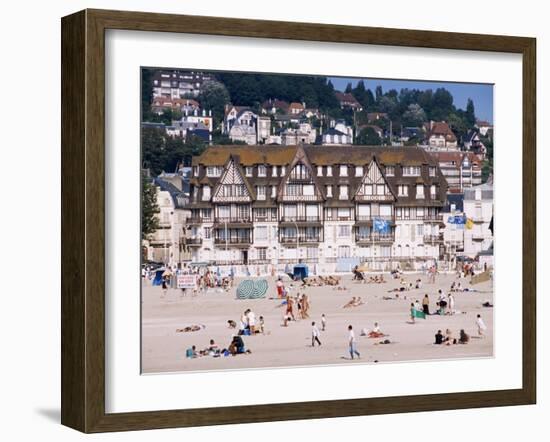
pixel 481 94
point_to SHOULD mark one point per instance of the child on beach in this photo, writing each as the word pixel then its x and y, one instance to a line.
pixel 314 334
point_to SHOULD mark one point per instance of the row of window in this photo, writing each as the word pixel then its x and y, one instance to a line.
pixel 300 171
pixel 239 190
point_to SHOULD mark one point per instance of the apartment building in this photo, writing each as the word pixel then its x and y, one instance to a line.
pixel 327 206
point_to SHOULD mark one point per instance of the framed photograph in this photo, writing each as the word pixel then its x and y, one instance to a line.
pixel 267 221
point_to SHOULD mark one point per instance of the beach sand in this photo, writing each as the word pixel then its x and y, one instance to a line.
pixel 163 349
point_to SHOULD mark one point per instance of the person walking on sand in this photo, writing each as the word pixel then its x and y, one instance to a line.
pixel 451 299
pixel 352 344
pixel 413 312
pixel 280 288
pixel 426 304
pixel 481 327
pixel 164 288
pixel 314 335
pixel 323 322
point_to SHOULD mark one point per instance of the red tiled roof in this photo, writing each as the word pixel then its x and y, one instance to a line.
pixel 442 128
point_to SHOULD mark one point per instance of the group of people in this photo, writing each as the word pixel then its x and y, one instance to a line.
pixel 235 347
pixel 449 339
pixel 248 323
pixel 359 276
pixel 319 281
pixel 301 302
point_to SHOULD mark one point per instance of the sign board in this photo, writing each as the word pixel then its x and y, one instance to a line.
pixel 186 281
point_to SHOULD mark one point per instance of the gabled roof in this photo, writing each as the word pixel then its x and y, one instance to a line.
pixel 441 128
pixel 480 123
pixel 346 98
pixel 295 105
pixel 333 131
pixel 275 103
pixel 457 157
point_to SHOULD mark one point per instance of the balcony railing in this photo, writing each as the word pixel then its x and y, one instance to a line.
pixel 229 241
pixel 375 237
pixel 198 220
pixel 299 197
pixel 433 238
pixel 233 220
pixel 373 217
pixel 193 241
pixel 300 239
pixel 309 219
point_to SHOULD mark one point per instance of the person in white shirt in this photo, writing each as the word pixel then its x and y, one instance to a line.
pixel 352 345
pixel 251 321
pixel 481 327
pixel 314 334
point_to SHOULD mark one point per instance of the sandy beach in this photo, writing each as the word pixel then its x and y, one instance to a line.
pixel 163 348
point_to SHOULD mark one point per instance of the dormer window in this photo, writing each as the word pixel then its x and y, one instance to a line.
pixel 343 192
pixel 329 170
pixel 359 171
pixel 390 171
pixel 411 171
pixel 319 170
pixel 248 171
pixel 343 170
pixel 262 170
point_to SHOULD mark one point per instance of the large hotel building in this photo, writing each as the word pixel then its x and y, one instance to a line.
pixel 327 206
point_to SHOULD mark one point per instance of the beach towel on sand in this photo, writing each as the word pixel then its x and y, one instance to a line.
pixel 418 314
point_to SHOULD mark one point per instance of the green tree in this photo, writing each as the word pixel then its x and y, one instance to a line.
pixel 470 113
pixel 368 137
pixel 414 116
pixel 214 96
pixel 146 93
pixel 349 88
pixel 149 207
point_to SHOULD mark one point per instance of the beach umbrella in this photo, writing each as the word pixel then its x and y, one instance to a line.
pixel 245 289
pixel 260 289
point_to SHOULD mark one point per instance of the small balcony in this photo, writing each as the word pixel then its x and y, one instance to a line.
pixel 193 220
pixel 376 238
pixel 300 198
pixel 233 241
pixel 368 219
pixel 234 220
pixel 433 239
pixel 299 240
pixel 193 242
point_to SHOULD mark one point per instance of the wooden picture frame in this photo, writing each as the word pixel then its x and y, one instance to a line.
pixel 83 220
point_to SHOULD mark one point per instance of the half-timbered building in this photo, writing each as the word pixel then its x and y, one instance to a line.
pixel 329 206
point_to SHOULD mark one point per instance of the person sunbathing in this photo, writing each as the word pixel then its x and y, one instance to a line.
pixel 358 302
pixel 376 332
pixel 231 324
pixel 350 303
pixel 189 328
